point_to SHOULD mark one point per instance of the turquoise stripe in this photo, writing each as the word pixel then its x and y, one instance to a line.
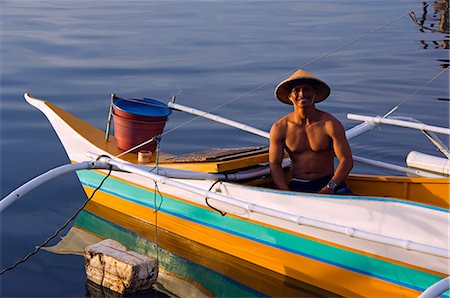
pixel 218 284
pixel 408 277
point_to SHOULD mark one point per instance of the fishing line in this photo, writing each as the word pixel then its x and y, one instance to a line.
pixel 309 63
pixel 38 248
pixel 275 79
pixel 135 147
pixel 415 92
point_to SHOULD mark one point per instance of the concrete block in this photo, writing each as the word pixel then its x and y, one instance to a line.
pixel 109 264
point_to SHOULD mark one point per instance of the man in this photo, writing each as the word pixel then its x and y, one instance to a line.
pixel 311 137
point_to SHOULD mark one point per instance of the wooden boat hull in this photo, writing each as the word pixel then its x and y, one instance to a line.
pixel 431 191
pixel 208 271
pixel 336 262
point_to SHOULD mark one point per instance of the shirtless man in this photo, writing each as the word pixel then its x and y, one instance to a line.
pixel 311 137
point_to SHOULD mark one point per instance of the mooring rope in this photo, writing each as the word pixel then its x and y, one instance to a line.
pixel 302 66
pixel 155 200
pixel 278 78
pixel 415 92
pixel 56 233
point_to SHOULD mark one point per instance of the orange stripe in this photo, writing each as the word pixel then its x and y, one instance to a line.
pixel 368 254
pixel 332 278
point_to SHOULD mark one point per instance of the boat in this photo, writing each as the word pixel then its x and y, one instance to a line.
pixel 390 238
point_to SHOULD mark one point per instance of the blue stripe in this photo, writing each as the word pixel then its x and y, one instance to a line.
pixel 229 231
pixel 165 264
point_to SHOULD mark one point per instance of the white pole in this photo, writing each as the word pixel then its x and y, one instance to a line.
pixel 392 167
pixel 436 289
pixel 359 130
pixel 351 133
pixel 402 123
pixel 43 178
pixel 219 119
pixel 406 244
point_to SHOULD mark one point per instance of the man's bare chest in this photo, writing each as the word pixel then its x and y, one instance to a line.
pixel 307 139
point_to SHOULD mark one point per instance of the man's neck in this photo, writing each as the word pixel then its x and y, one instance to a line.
pixel 305 115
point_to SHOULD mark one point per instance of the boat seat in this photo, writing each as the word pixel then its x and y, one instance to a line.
pixel 218 160
pixel 217 154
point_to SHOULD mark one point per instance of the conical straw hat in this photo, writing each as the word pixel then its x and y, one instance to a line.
pixel 284 88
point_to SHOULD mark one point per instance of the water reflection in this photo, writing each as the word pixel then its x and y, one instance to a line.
pixel 186 268
pixel 93 290
pixel 438 21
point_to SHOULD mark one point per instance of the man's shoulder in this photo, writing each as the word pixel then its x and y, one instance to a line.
pixel 278 129
pixel 328 117
pixel 331 122
pixel 282 122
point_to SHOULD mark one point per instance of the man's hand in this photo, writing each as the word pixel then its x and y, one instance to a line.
pixel 326 190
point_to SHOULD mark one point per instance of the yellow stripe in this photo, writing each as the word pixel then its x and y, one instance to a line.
pixel 331 278
pixel 97 138
pixel 431 191
pixel 287 231
pixel 253 276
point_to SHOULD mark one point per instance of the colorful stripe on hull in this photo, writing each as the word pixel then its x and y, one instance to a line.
pixel 209 282
pixel 314 262
pixel 245 273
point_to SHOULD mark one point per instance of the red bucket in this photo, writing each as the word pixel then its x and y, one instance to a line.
pixel 130 133
pixel 136 123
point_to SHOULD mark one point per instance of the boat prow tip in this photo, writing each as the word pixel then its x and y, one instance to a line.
pixel 32 100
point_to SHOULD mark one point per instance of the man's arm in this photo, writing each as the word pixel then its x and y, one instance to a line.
pixel 276 154
pixel 342 151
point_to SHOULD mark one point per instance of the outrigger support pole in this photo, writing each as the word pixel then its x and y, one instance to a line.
pixel 219 119
pixel 350 133
pixel 402 123
pixel 49 175
pixel 259 209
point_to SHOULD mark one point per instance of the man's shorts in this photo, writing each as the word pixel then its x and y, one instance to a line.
pixel 312 186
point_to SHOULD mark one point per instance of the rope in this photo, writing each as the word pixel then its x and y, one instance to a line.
pixel 156 217
pixel 135 147
pixel 274 80
pixel 154 198
pixel 306 64
pixel 207 203
pixel 415 92
pixel 38 248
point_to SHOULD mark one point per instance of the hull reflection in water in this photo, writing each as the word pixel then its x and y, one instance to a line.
pixel 187 268
pixel 93 290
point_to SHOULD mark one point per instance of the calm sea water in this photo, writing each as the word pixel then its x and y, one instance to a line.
pixel 207 53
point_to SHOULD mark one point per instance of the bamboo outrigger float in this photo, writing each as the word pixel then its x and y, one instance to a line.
pixel 391 239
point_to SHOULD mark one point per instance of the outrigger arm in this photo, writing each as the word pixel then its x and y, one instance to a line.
pixel 428 130
pixel 219 119
pixel 437 289
pixel 351 133
pixel 47 176
pixel 402 123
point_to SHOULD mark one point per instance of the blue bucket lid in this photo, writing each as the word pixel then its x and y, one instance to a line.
pixel 142 107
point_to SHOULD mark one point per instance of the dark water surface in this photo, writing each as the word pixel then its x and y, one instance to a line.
pixel 207 53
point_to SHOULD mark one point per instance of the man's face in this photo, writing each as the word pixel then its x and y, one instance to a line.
pixel 302 94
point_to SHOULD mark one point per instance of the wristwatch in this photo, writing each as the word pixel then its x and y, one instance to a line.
pixel 331 185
